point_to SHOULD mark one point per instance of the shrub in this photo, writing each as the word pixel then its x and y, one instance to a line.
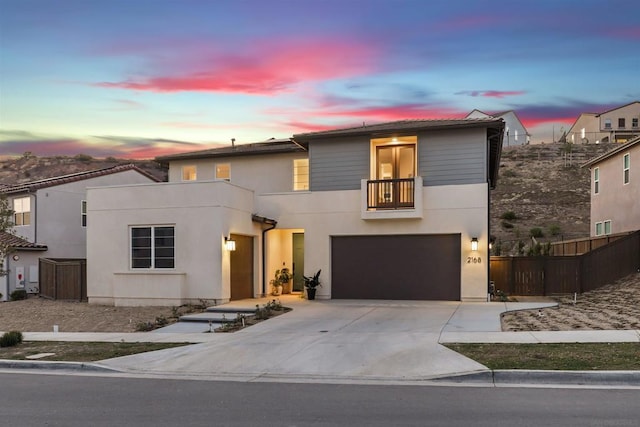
pixel 83 157
pixel 508 173
pixel 536 232
pixel 18 294
pixel 506 224
pixel 10 339
pixel 145 327
pixel 554 230
pixel 509 216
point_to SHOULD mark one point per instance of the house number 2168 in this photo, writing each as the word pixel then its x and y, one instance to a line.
pixel 474 260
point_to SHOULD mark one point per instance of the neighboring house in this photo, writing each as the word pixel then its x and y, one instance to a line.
pixel 617 125
pixel 615 189
pixel 51 216
pixel 24 255
pixel 396 210
pixel 514 131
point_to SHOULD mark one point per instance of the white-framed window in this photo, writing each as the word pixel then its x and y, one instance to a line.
pixel 607 123
pixel 223 171
pixel 626 168
pixel 189 173
pixel 596 180
pixel 300 174
pixel 83 213
pixel 598 228
pixel 152 247
pixel 22 211
pixel 634 122
pixel 607 227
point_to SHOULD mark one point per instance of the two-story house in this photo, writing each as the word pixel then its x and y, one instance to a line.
pixel 396 210
pixel 50 218
pixel 616 125
pixel 514 131
pixel 615 190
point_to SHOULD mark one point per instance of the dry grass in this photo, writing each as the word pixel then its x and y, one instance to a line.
pixel 615 306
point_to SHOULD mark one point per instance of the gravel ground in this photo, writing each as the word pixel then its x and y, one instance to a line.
pixel 615 306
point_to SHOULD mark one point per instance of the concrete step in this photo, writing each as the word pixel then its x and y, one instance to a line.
pixel 215 317
pixel 231 309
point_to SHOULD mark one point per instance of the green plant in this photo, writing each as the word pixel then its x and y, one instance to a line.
pixel 313 281
pixel 18 294
pixel 284 275
pixel 509 215
pixel 11 338
pixel 520 247
pixel 145 327
pixel 161 321
pixel 554 230
pixel 506 225
pixel 536 232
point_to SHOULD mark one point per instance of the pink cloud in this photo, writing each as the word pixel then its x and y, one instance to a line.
pixel 492 93
pixel 530 122
pixel 397 112
pixel 265 68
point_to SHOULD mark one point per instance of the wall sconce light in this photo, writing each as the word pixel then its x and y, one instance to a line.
pixel 474 244
pixel 229 244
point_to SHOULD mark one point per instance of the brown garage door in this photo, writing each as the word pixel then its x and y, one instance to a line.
pixel 407 267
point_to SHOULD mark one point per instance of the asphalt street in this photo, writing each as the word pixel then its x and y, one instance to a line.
pixel 72 400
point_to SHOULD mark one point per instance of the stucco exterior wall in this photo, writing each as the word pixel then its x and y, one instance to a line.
pixel 617 202
pixel 203 213
pixel 27 264
pixel 264 174
pixel 446 210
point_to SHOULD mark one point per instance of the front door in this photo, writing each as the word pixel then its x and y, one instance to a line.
pixel 242 268
pixel 298 262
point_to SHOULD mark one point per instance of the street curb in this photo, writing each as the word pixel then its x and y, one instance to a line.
pixel 548 377
pixel 42 365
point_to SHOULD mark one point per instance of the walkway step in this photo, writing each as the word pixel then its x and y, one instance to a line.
pixel 234 310
pixel 228 316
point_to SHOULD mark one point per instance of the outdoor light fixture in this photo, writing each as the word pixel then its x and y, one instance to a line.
pixel 229 244
pixel 474 244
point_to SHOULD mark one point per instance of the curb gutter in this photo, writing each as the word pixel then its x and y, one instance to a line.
pixel 68 366
pixel 520 376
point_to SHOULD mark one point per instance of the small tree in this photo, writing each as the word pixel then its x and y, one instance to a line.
pixel 6 224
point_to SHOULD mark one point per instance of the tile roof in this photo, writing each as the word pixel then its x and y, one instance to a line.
pixel 622 147
pixel 403 126
pixel 272 146
pixel 19 243
pixel 65 179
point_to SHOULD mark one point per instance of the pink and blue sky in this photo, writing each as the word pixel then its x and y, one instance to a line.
pixel 141 78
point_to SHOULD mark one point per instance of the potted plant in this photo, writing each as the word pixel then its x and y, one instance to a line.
pixel 311 283
pixel 276 286
pixel 284 276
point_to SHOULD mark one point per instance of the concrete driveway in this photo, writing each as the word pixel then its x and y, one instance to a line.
pixel 333 340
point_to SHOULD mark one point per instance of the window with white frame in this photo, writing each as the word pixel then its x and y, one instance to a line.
pixel 634 122
pixel 598 228
pixel 596 180
pixel 22 211
pixel 152 247
pixel 626 166
pixel 83 213
pixel 189 173
pixel 607 227
pixel 223 171
pixel 607 123
pixel 300 174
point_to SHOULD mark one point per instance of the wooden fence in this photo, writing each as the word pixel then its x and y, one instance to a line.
pixel 63 279
pixel 549 275
pixel 581 246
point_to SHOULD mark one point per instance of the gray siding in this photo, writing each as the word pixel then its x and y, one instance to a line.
pixel 450 158
pixel 338 164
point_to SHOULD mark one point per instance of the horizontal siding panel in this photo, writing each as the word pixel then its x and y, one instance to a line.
pixel 338 165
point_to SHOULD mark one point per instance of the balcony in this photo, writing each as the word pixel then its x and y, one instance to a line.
pixel 392 198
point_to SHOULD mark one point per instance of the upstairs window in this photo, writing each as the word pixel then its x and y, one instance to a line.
pixel 152 247
pixel 301 174
pixel 621 122
pixel 223 171
pixel 83 213
pixel 607 227
pixel 189 173
pixel 598 229
pixel 634 122
pixel 22 211
pixel 626 166
pixel 607 123
pixel 596 181
pixel 583 133
pixel 515 135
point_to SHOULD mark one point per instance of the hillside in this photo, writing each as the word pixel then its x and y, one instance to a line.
pixel 29 168
pixel 542 186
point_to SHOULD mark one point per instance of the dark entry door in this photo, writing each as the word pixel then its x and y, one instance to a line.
pixel 396 267
pixel 242 268
pixel 298 262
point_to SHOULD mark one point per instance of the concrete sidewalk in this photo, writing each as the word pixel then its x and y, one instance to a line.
pixel 339 340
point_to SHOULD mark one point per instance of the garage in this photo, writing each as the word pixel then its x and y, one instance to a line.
pixel 396 267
